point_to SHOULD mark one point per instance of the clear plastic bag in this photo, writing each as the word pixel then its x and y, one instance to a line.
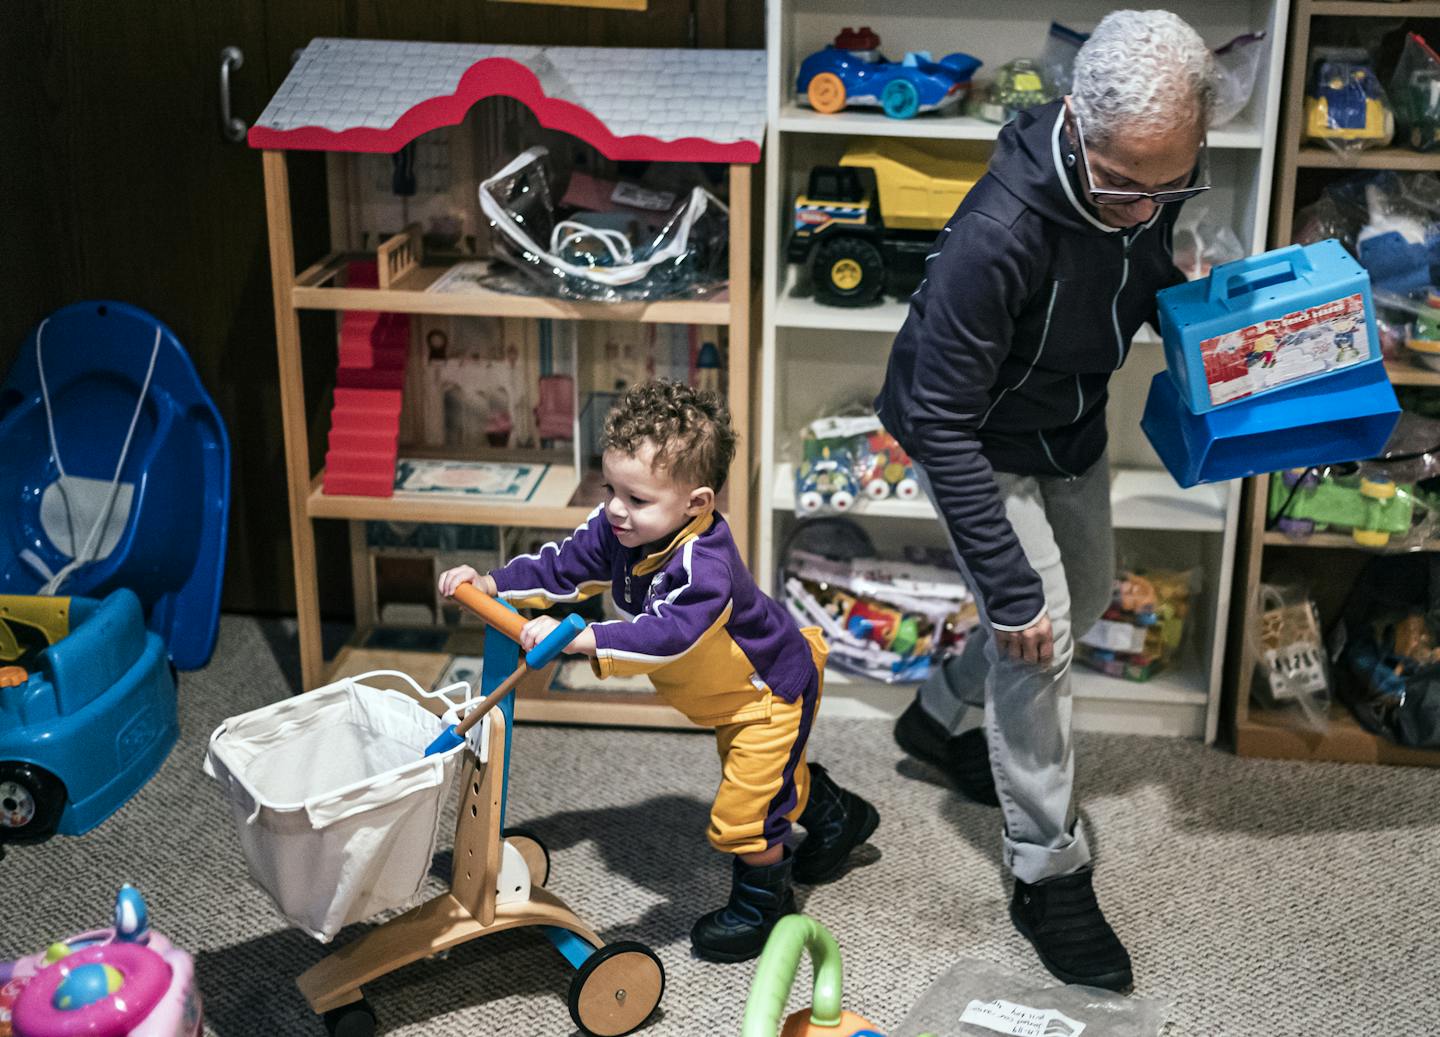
pixel 1237 66
pixel 1143 630
pixel 1057 59
pixel 596 259
pixel 1415 88
pixel 978 999
pixel 1202 243
pixel 1289 652
pixel 1346 108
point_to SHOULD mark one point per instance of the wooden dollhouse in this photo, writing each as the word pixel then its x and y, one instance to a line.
pixel 409 130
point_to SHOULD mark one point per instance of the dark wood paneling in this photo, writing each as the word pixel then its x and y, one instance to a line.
pixel 118 184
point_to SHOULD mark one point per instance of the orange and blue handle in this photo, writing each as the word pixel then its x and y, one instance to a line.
pixel 503 618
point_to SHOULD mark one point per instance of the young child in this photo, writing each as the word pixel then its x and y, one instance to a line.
pixel 715 647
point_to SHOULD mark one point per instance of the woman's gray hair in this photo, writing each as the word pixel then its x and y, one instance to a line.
pixel 1142 70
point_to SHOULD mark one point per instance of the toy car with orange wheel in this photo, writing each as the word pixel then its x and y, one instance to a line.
pixel 852 71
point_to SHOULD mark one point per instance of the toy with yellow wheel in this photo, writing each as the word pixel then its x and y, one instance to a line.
pixel 1372 508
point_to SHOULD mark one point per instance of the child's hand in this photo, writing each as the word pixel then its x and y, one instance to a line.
pixel 452 578
pixel 537 630
pixel 540 628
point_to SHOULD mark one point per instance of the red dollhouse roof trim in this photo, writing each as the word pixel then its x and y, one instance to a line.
pixel 503 77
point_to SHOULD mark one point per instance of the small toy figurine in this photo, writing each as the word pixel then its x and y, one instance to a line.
pixel 852 71
pixel 828 481
pixel 125 981
pixel 1345 104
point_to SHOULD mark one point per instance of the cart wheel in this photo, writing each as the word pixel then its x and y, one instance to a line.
pixel 537 858
pixel 1297 529
pixel 616 990
pixel 826 93
pixel 847 271
pixel 1370 537
pixel 31 802
pixel 356 1019
pixel 900 99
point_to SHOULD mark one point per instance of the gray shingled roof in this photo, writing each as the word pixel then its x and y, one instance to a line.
pixel 716 95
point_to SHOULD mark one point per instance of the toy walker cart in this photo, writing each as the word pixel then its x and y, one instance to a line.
pixel 499 874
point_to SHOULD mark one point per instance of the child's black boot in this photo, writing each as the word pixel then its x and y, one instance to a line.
pixel 835 822
pixel 759 897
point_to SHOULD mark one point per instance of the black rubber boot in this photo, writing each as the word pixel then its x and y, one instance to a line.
pixel 835 822
pixel 1062 919
pixel 759 897
pixel 963 758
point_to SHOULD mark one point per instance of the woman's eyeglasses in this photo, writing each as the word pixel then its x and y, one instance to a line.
pixel 1109 197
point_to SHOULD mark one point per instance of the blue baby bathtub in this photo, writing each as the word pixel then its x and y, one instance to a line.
pixel 164 534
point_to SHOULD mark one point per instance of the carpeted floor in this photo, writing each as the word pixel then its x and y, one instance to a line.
pixel 1258 898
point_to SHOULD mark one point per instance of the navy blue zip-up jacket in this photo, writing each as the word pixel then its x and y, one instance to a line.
pixel 1028 305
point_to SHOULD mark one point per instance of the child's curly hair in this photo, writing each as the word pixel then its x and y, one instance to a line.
pixel 689 428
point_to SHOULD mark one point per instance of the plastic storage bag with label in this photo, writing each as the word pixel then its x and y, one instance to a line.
pixel 978 999
pixel 1289 653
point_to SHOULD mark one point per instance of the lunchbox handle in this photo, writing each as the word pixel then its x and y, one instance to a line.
pixel 1244 276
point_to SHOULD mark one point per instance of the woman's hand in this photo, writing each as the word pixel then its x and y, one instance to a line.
pixel 452 578
pixel 539 628
pixel 1034 644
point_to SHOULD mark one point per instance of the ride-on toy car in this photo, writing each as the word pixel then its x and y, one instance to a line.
pixel 85 720
pixel 852 71
pixel 868 224
pixel 1302 501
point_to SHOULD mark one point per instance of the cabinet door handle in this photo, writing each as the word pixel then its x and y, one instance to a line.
pixel 233 128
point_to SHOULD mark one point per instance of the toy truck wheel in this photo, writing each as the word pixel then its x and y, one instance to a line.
pixel 842 500
pixel 907 489
pixel 900 99
pixel 877 489
pixel 1379 489
pixel 1370 537
pixel 1298 529
pixel 537 858
pixel 616 990
pixel 356 1019
pixel 31 802
pixel 809 502
pixel 826 93
pixel 848 271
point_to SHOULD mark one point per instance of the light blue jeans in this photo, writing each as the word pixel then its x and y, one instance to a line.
pixel 1064 529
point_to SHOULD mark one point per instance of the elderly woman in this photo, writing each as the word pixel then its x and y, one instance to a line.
pixel 996 386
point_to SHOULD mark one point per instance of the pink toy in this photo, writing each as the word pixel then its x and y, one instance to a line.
pixel 120 982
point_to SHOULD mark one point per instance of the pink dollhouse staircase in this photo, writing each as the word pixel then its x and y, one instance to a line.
pixel 369 386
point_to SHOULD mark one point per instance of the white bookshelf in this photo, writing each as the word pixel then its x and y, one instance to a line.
pixel 814 356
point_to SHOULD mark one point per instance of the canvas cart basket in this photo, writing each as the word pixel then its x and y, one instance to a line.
pixel 335 802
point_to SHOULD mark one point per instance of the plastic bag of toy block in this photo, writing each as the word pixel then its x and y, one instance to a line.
pixel 978 999
pixel 1143 630
pixel 1415 89
pixel 1346 108
pixel 1292 670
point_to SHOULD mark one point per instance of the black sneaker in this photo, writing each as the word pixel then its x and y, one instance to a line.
pixel 1062 920
pixel 759 897
pixel 835 822
pixel 963 758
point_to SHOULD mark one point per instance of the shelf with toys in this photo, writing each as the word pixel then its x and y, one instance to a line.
pixel 815 355
pixel 1319 163
pixel 476 362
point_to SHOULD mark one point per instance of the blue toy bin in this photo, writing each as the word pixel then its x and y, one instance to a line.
pixel 1268 323
pixel 1347 417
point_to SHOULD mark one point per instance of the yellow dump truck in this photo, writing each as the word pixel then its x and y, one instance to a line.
pixel 866 225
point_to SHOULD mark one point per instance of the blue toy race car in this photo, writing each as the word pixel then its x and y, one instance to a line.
pixel 85 721
pixel 852 71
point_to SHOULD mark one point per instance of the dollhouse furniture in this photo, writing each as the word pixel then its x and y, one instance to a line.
pixel 353 99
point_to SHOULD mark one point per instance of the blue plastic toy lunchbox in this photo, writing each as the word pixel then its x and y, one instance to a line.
pixel 1268 323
